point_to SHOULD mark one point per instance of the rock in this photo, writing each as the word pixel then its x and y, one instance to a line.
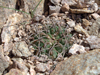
pixel 77 49
pixel 16 39
pixel 54 9
pixel 95 28
pixel 43 58
pixel 38 18
pixel 21 49
pixel 79 3
pixel 32 71
pixel 9 29
pixel 40 74
pixel 65 7
pixel 15 72
pixel 71 23
pixel 24 5
pixel 41 67
pixel 85 22
pixel 70 2
pixel 83 64
pixel 79 29
pixel 5 12
pixel 20 64
pixel 95 15
pixel 69 30
pixel 94 7
pixel 54 14
pixel 3 61
pixel 21 33
pixel 30 5
pixel 81 11
pixel 55 2
pixel 94 42
pixel 84 3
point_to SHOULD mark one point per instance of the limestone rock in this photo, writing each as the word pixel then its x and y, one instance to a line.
pixel 32 71
pixel 54 9
pixel 94 7
pixel 24 5
pixel 83 64
pixel 31 5
pixel 41 67
pixel 5 12
pixel 20 64
pixel 80 29
pixel 9 29
pixel 15 72
pixel 79 6
pixel 38 18
pixel 95 28
pixel 55 2
pixel 79 3
pixel 81 11
pixel 85 22
pixel 3 62
pixel 21 49
pixel 71 23
pixel 65 7
pixel 94 42
pixel 75 49
pixel 40 74
pixel 95 15
pixel 70 2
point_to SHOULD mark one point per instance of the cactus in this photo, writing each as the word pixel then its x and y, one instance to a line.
pixel 51 40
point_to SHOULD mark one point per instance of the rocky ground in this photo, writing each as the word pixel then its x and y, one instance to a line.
pixel 62 37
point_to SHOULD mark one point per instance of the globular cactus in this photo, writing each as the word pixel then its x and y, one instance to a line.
pixel 49 39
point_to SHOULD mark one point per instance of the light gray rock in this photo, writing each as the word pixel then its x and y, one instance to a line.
pixel 70 2
pixel 9 30
pixel 95 28
pixel 41 67
pixel 21 65
pixel 38 18
pixel 94 42
pixel 94 7
pixel 24 5
pixel 95 15
pixel 80 29
pixel 15 72
pixel 3 62
pixel 30 5
pixel 21 49
pixel 83 64
pixel 40 74
pixel 79 3
pixel 75 49
pixel 5 12
pixel 54 9
pixel 71 23
pixel 81 11
pixel 55 2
